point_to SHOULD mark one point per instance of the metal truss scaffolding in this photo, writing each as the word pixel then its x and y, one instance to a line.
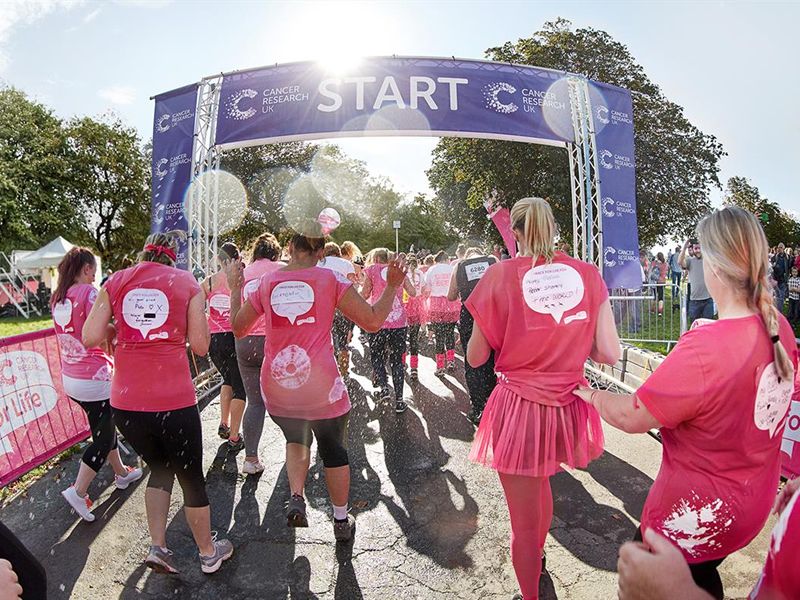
pixel 204 197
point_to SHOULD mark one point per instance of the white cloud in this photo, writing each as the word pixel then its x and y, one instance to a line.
pixel 118 94
pixel 91 16
pixel 19 13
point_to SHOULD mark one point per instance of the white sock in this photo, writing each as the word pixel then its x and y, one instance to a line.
pixel 340 512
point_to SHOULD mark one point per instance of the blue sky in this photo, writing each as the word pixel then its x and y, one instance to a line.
pixel 731 65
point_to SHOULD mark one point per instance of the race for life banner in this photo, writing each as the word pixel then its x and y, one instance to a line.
pixel 173 138
pixel 37 420
pixel 395 96
pixel 612 112
pixel 790 446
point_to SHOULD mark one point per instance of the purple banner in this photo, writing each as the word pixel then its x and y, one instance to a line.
pixel 395 96
pixel 612 111
pixel 173 137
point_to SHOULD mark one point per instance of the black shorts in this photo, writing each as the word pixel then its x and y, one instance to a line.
pixel 223 354
pixel 331 436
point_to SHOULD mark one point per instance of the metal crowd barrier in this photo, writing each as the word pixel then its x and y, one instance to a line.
pixel 639 319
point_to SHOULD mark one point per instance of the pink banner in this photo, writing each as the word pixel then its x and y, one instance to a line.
pixel 790 448
pixel 501 217
pixel 37 420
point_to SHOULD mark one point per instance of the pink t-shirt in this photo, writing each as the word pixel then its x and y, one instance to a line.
pixel 437 280
pixel 299 376
pixel 219 305
pixel 252 278
pixel 723 411
pixel 540 322
pixel 780 579
pixel 397 316
pixel 78 363
pixel 150 303
pixel 416 306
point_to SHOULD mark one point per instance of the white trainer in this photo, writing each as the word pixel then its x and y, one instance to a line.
pixel 124 481
pixel 252 468
pixel 82 506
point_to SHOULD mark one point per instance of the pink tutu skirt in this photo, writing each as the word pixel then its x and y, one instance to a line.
pixel 520 437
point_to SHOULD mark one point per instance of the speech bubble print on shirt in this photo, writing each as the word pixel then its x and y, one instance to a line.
pixel 291 367
pixel 145 310
pixel 772 400
pixel 384 271
pixel 250 287
pixel 220 303
pixel 62 314
pixel 552 289
pixel 291 299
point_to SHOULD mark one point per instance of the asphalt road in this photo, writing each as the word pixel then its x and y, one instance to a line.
pixel 430 523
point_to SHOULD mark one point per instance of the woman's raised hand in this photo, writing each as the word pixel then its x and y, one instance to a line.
pixel 396 272
pixel 234 272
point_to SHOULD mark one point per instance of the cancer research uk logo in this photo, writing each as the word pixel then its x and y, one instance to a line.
pixel 498 96
pixel 166 165
pixel 609 160
pixel 233 107
pixel 613 208
pixel 240 106
pixel 614 117
pixel 602 114
pixel 616 256
pixel 167 121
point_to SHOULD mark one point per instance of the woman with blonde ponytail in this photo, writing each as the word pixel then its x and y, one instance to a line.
pixel 543 314
pixel 720 398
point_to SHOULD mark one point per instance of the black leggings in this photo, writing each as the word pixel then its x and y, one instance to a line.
pixel 331 437
pixel 171 443
pixel 705 574
pixel 413 339
pixel 340 331
pixel 104 435
pixel 445 334
pixel 481 380
pixel 393 343
pixel 223 354
pixel 30 572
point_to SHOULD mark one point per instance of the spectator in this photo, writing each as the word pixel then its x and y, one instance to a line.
pixel 675 275
pixel 793 286
pixel 797 257
pixel 658 278
pixel 780 272
pixel 700 304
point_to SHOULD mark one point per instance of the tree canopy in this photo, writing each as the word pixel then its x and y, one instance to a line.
pixel 779 226
pixel 676 163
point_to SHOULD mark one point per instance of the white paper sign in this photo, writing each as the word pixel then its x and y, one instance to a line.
pixel 291 367
pixel 552 289
pixel 62 313
pixel 772 400
pixel 290 299
pixel 476 270
pixel 145 310
pixel 26 391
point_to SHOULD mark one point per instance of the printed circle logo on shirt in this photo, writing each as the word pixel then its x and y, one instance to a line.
pixel 221 303
pixel 772 400
pixel 552 289
pixel 234 109
pixel 291 299
pixel 491 94
pixel 62 313
pixel 145 310
pixel 291 367
pixel 72 350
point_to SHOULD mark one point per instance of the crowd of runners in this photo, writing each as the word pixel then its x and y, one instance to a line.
pixel 279 322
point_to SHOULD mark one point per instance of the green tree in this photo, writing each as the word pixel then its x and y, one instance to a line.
pixel 110 176
pixel 779 226
pixel 34 174
pixel 676 163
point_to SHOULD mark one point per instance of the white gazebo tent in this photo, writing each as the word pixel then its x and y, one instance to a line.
pixel 44 261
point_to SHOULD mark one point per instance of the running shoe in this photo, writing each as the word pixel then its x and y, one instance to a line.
pixel 474 416
pixel 343 530
pixel 224 431
pixel 124 481
pixel 400 407
pixel 386 394
pixel 82 506
pixel 252 468
pixel 440 372
pixel 223 550
pixel 296 512
pixel 237 445
pixel 451 366
pixel 414 375
pixel 160 560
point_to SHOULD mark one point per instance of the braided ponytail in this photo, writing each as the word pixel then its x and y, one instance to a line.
pixel 733 241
